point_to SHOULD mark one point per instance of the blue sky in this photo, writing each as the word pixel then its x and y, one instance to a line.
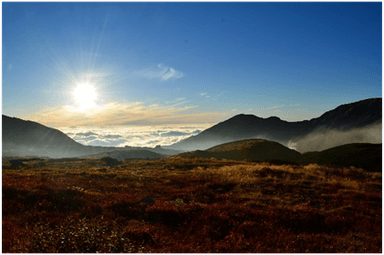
pixel 186 63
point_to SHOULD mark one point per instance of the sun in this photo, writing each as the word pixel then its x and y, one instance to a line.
pixel 85 95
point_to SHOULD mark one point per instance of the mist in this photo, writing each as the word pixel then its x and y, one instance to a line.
pixel 325 139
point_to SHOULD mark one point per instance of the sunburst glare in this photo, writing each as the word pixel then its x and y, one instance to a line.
pixel 85 95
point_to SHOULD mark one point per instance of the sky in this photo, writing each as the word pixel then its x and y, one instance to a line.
pixel 182 66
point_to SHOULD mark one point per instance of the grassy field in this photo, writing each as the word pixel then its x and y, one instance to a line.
pixel 188 205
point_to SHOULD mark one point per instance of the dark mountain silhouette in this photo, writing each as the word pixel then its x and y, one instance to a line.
pixel 362 155
pixel 28 138
pixel 345 117
pixel 249 150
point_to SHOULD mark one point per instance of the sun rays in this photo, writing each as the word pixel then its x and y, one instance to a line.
pixel 85 95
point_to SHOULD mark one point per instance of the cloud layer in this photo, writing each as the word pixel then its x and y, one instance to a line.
pixel 151 136
pixel 134 136
pixel 322 140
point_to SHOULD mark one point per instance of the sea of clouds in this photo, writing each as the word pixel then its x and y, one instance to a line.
pixel 134 136
pixel 151 136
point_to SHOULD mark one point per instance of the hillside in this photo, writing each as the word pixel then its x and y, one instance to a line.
pixel 22 137
pixel 249 150
pixel 345 117
pixel 361 155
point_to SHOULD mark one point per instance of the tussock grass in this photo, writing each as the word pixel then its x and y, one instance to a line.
pixel 190 205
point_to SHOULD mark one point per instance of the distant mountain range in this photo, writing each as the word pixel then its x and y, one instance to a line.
pixel 345 117
pixel 361 155
pixel 27 138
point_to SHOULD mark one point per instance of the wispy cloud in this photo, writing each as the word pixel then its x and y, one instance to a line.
pixel 162 72
pixel 177 102
pixel 212 97
pixel 169 73
pixel 204 95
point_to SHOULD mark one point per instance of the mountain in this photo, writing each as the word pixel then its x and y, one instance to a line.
pixel 22 137
pixel 361 155
pixel 354 115
pixel 28 138
pixel 249 150
pixel 345 117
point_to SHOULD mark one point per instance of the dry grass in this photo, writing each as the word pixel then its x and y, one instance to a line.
pixel 189 205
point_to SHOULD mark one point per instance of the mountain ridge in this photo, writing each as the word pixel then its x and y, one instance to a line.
pixel 362 155
pixel 246 126
pixel 28 138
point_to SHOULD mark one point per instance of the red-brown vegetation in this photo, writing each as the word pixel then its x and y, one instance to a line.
pixel 189 205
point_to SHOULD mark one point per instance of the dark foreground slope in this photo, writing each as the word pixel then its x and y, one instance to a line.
pixel 345 117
